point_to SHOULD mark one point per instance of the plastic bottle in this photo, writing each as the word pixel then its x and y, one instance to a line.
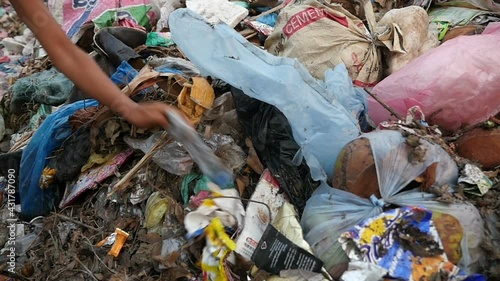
pixel 209 164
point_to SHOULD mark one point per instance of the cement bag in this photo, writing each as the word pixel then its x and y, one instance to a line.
pixel 321 35
pixel 418 37
pixel 456 83
pixel 330 211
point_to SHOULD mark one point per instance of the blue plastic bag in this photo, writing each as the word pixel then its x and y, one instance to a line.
pixel 321 125
pixel 269 19
pixel 49 137
pixel 124 74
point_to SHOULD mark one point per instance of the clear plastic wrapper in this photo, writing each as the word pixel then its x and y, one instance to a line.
pixel 208 163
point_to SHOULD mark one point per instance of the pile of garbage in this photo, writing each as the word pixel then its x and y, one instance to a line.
pixel 330 140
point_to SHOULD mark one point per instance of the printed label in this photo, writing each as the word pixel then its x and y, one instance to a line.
pixel 275 253
pixel 308 16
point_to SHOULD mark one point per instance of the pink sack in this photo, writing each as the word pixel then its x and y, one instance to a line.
pixel 73 15
pixel 459 81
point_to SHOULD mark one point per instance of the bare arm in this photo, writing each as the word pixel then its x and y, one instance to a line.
pixel 82 70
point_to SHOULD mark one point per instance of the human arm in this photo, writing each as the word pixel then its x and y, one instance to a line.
pixel 82 70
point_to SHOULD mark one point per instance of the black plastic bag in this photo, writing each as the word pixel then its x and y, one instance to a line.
pixel 118 43
pixel 272 139
pixel 72 156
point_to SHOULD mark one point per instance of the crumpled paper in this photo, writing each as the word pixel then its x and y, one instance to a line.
pixel 229 211
pixel 474 176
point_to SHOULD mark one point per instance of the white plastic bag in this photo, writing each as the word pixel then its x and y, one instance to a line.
pixel 331 211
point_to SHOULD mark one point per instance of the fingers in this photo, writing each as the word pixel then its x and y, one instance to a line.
pixel 162 117
pixel 152 114
pixel 183 116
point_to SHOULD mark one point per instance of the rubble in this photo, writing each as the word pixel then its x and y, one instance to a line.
pixel 288 156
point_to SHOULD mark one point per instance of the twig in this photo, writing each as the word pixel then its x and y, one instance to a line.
pixel 87 270
pixel 460 132
pixel 432 115
pixel 386 106
pixel 120 185
pixel 97 256
pixel 23 141
pixel 181 52
pixel 54 277
pixel 251 35
pixel 56 245
pixel 76 222
pixel 495 120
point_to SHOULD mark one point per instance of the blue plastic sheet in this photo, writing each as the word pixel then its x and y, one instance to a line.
pixel 353 98
pixel 124 74
pixel 321 125
pixel 269 19
pixel 174 65
pixel 49 137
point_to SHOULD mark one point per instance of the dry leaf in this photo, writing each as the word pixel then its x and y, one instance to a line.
pixel 175 273
pixel 150 238
pixel 179 212
pixel 253 159
pixel 114 137
pixel 168 261
pixel 111 127
pixel 242 182
pixel 430 176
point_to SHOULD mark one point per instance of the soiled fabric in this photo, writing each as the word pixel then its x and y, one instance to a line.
pixel 47 87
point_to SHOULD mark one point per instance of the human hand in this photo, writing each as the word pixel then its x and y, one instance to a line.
pixel 149 114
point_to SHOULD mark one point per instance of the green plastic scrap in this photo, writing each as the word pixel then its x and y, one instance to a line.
pixel 189 178
pixel 449 17
pixel 489 124
pixel 157 39
pixel 136 13
pixel 201 184
pixel 443 28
